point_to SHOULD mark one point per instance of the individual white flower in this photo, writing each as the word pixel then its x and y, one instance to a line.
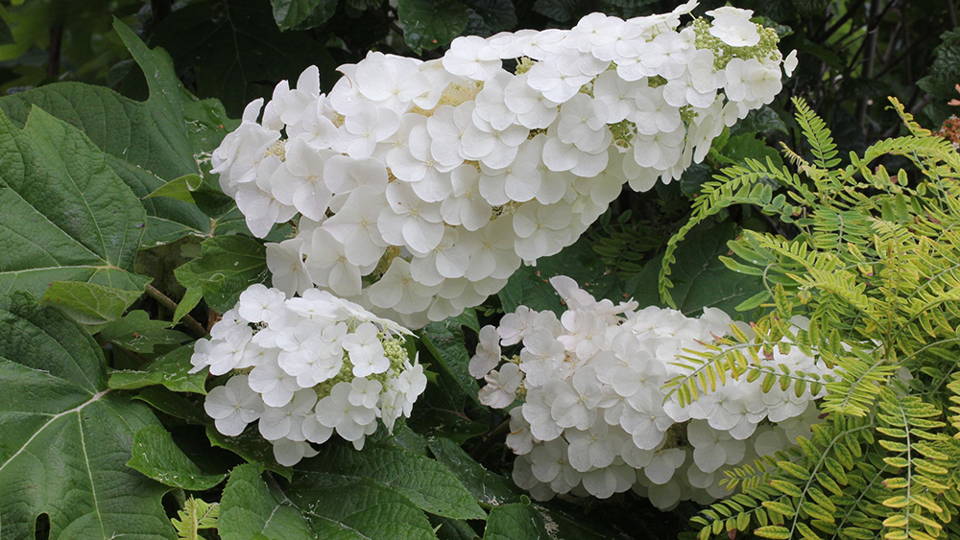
pixel 318 358
pixel 581 124
pixel 555 82
pixel 501 387
pixel 790 63
pixel 390 80
pixel 286 266
pixel 335 411
pixel 410 221
pixel 327 264
pixel 288 107
pixel 233 406
pixel 751 81
pixel 712 448
pixel 533 109
pixel 288 453
pixel 366 351
pixel 490 105
pixel 663 464
pixel 364 392
pixel 285 422
pixel 488 353
pixel 355 226
pixel 466 205
pixel 260 209
pixel 273 384
pixel 365 128
pixel 471 57
pixel 604 482
pixel 520 181
pixel 595 448
pixel 520 440
pixel 732 26
pixel 260 304
pixel 446 127
pixel 397 290
pixel 343 174
pixel 237 157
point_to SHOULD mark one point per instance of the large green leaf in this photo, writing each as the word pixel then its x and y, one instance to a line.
pixel 485 485
pixel 445 343
pixel 700 278
pixel 302 14
pixel 431 24
pixel 324 506
pixel 171 370
pixel 423 482
pixel 530 286
pixel 250 510
pixel 514 521
pixel 226 267
pixel 66 437
pixel 66 215
pixel 89 303
pixel 157 456
pixel 235 52
pixel 137 332
pixel 148 142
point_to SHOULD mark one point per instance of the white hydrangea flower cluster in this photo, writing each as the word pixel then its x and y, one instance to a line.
pixel 421 186
pixel 592 416
pixel 304 368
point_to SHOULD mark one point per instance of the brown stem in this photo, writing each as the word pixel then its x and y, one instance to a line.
pixel 195 328
pixel 53 53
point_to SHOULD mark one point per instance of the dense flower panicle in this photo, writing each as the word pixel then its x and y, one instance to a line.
pixel 590 414
pixel 421 186
pixel 305 368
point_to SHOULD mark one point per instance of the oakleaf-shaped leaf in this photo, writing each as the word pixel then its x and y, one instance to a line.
pixel 147 142
pixel 66 437
pixel 66 215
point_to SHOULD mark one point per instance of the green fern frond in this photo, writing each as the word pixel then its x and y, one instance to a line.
pixel 905 422
pixel 195 516
pixel 818 135
pixel 874 267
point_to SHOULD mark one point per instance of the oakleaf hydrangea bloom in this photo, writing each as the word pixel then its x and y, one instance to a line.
pixel 421 186
pixel 305 368
pixel 589 414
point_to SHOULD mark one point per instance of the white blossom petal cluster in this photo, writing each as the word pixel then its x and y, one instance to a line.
pixel 305 368
pixel 422 186
pixel 590 415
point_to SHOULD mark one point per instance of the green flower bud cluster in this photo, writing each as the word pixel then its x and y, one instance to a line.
pixel 623 133
pixel 723 53
pixel 656 81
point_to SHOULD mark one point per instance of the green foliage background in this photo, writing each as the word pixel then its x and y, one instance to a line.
pixel 112 107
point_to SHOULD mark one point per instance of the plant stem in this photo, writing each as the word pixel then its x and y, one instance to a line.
pixel 195 328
